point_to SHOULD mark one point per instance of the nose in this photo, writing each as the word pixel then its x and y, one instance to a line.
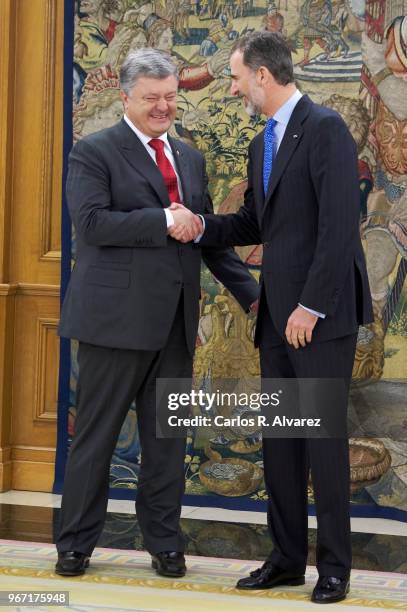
pixel 162 105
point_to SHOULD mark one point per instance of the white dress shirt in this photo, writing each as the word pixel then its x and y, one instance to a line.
pixel 168 154
pixel 283 116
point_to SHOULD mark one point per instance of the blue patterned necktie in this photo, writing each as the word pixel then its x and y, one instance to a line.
pixel 269 145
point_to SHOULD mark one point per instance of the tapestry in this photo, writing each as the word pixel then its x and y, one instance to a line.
pixel 350 55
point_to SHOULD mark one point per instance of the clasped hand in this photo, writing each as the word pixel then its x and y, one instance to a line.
pixel 187 226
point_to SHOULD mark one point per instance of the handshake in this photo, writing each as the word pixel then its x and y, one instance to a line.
pixel 187 226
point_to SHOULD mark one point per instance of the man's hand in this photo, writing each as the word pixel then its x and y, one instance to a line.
pixel 187 225
pixel 299 327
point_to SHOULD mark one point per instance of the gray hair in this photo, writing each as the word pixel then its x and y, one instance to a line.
pixel 145 62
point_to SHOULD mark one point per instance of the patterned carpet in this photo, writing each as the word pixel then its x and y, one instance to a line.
pixel 121 581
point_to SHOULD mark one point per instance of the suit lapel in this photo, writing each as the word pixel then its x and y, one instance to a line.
pixel 287 147
pixel 135 153
pixel 291 139
pixel 183 169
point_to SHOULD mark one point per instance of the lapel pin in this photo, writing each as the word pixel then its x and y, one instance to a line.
pixel 295 135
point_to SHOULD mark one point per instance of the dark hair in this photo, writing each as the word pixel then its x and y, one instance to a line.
pixel 269 49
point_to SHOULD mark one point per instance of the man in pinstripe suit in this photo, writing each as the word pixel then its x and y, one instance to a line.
pixel 302 204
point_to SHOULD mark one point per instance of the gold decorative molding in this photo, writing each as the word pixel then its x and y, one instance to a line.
pixel 6 471
pixel 7 319
pixel 32 453
pixel 31 145
pixel 46 392
pixel 29 289
pixel 5 468
pixel 33 289
pixel 48 186
pixel 7 290
pixel 32 468
pixel 33 476
pixel 5 454
pixel 51 255
pixel 7 39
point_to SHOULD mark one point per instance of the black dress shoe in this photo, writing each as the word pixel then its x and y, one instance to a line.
pixel 169 563
pixel 269 576
pixel 330 589
pixel 71 563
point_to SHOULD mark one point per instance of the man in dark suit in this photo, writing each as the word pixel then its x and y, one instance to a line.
pixel 302 204
pixel 133 304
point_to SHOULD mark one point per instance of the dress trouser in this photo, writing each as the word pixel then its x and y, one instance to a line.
pixel 287 462
pixel 109 380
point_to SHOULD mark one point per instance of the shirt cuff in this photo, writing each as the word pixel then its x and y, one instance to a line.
pixel 198 238
pixel 314 312
pixel 170 217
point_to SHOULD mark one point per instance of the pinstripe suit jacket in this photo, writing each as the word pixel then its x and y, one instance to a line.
pixel 127 280
pixel 308 223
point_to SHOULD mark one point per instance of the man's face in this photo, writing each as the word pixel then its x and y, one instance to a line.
pixel 244 84
pixel 152 104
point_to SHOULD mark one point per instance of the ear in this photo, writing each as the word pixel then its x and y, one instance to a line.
pixel 263 76
pixel 124 98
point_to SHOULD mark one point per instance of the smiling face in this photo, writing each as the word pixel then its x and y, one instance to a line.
pixel 244 84
pixel 152 104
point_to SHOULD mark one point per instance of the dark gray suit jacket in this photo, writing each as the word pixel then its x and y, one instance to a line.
pixel 128 276
pixel 308 223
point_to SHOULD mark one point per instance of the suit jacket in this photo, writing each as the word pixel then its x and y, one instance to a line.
pixel 128 276
pixel 308 223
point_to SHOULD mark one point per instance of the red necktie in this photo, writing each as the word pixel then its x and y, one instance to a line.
pixel 164 164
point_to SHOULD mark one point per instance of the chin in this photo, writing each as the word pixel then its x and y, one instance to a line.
pixel 163 127
pixel 250 109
